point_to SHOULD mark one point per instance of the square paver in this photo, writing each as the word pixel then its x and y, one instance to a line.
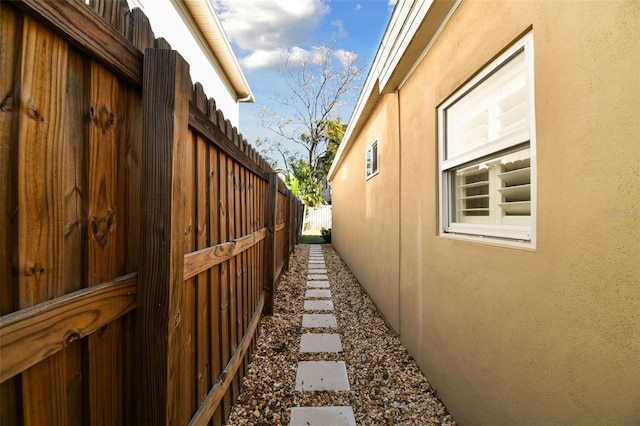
pixel 322 416
pixel 322 376
pixel 319 321
pixel 317 277
pixel 320 342
pixel 318 284
pixel 317 293
pixel 318 305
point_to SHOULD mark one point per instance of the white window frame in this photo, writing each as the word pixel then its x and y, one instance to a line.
pixel 369 173
pixel 510 235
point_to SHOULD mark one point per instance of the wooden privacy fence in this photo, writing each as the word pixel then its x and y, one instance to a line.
pixel 140 235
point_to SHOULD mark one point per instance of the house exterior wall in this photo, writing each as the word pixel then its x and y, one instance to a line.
pixel 365 212
pixel 168 22
pixel 506 335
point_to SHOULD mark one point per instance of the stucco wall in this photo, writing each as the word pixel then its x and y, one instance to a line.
pixel 365 212
pixel 507 335
pixel 551 336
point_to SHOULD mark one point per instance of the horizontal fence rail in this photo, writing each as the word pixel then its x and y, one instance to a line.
pixel 141 237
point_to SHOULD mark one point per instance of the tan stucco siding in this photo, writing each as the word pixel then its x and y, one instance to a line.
pixel 508 335
pixel 365 212
pixel 551 336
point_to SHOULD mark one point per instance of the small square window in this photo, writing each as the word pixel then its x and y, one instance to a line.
pixel 487 151
pixel 372 160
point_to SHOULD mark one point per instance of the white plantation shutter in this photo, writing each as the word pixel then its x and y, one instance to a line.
pixel 494 109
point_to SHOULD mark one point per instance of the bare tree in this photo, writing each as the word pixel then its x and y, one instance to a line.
pixel 319 83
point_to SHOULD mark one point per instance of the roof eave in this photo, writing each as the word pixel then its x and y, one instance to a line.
pixel 411 30
pixel 204 16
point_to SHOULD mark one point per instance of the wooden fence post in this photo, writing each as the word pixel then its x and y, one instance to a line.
pixel 270 242
pixel 166 92
pixel 287 233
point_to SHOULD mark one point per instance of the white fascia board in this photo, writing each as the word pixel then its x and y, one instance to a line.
pixel 405 20
pixel 412 15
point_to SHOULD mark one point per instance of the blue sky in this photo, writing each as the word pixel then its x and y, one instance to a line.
pixel 260 30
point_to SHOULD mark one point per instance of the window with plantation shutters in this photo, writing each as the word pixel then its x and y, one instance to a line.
pixel 486 141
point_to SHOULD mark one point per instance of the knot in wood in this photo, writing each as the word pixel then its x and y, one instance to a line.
pixel 101 227
pixel 35 269
pixel 71 337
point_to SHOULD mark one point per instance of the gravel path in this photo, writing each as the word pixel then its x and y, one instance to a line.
pixel 386 385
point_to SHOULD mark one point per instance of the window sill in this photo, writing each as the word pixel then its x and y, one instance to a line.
pixel 371 175
pixel 492 241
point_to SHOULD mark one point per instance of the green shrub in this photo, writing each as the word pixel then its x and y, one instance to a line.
pixel 326 234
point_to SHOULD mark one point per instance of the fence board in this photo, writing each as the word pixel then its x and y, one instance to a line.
pixel 105 256
pixel 225 309
pixel 41 138
pixel 203 322
pixel 30 335
pixel 202 260
pixel 10 34
pixel 215 283
pixel 187 310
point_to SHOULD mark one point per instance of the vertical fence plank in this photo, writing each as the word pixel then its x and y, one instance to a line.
pixel 105 258
pixel 166 91
pixel 269 252
pixel 225 282
pixel 233 265
pixel 203 320
pixel 75 224
pixel 10 36
pixel 40 205
pixel 239 331
pixel 287 230
pixel 215 283
pixel 188 314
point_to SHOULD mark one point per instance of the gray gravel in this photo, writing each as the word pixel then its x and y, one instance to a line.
pixel 387 387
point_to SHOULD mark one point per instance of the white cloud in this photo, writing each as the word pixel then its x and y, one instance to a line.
pixel 358 6
pixel 345 57
pixel 261 59
pixel 263 28
pixel 340 30
pixel 392 3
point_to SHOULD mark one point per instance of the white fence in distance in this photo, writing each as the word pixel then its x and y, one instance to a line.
pixel 317 217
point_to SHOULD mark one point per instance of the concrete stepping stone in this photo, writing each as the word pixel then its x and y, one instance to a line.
pixel 322 376
pixel 318 305
pixel 322 416
pixel 317 277
pixel 317 271
pixel 319 321
pixel 317 293
pixel 318 284
pixel 320 342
